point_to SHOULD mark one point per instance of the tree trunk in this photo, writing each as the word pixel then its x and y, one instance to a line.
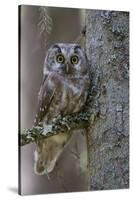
pixel 107 44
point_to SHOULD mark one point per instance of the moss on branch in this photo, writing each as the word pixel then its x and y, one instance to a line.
pixel 64 124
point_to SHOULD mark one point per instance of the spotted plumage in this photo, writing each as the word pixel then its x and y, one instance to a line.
pixel 63 91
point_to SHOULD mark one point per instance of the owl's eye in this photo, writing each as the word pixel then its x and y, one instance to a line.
pixel 74 59
pixel 60 58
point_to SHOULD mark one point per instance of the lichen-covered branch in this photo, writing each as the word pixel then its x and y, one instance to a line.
pixel 65 124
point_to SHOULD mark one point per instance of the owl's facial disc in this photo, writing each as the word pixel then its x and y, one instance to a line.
pixel 66 65
pixel 67 59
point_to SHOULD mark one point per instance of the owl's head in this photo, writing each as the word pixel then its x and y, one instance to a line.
pixel 67 59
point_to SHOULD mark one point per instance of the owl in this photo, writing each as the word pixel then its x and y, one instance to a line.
pixel 63 91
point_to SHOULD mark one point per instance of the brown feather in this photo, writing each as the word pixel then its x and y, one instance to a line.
pixel 45 97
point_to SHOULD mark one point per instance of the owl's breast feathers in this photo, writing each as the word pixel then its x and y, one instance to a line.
pixel 60 96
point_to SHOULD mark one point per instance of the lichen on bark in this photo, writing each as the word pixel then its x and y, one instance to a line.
pixel 107 45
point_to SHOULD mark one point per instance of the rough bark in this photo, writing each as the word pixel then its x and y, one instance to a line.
pixel 107 44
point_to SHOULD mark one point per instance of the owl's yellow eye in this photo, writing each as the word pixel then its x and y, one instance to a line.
pixel 74 59
pixel 60 58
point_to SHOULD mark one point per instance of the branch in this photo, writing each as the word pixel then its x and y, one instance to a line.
pixel 65 124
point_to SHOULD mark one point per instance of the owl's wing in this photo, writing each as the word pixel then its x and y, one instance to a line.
pixel 45 96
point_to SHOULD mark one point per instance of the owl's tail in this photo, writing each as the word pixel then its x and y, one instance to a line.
pixel 48 151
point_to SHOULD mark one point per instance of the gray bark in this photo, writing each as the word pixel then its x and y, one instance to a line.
pixel 107 44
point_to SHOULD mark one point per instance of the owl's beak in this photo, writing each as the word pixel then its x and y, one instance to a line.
pixel 67 67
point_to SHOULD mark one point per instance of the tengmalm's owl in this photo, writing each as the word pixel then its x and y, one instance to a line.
pixel 63 91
